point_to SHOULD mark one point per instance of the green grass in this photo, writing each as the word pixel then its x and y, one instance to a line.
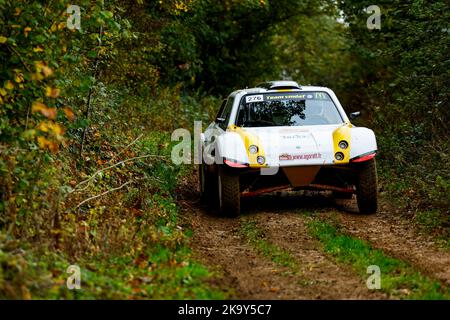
pixel 398 278
pixel 161 275
pixel 256 237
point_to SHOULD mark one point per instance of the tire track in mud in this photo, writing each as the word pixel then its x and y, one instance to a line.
pixel 326 278
pixel 395 235
pixel 218 243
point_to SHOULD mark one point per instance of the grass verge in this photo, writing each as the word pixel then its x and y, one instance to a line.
pixel 398 278
pixel 128 244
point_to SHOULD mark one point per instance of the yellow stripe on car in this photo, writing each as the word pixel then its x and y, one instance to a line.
pixel 284 90
pixel 341 134
pixel 250 139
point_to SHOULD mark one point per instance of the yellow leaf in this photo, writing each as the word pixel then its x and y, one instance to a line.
pixel 69 113
pixel 42 142
pixel 38 49
pixel 3 39
pixel 45 143
pixel 3 92
pixel 47 71
pixel 37 76
pixel 18 78
pixel 42 68
pixel 48 126
pixel 56 128
pixel 52 92
pixel 37 106
pixel 26 31
pixel 49 113
pixel 53 28
pixel 39 65
pixel 9 85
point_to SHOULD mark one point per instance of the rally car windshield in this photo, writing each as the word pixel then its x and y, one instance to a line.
pixel 287 109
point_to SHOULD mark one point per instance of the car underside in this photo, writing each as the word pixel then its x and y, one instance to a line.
pixel 335 178
pixel 343 180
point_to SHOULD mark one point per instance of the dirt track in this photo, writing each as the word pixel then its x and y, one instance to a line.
pixel 218 243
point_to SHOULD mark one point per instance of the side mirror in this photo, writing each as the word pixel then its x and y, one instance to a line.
pixel 354 115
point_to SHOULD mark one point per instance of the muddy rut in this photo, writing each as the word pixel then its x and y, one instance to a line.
pixel 219 243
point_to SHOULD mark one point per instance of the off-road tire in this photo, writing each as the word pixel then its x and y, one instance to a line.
pixel 367 187
pixel 228 195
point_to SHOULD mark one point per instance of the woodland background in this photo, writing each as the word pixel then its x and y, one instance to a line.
pixel 87 113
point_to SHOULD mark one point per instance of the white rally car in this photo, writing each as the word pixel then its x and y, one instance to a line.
pixel 282 135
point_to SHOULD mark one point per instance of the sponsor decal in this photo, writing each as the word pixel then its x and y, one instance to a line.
pixel 300 156
pixel 295 136
pixel 285 156
pixel 286 96
pixel 321 96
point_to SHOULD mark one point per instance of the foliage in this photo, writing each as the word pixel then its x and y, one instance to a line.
pixel 406 71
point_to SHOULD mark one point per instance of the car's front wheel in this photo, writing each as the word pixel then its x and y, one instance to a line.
pixel 367 188
pixel 229 196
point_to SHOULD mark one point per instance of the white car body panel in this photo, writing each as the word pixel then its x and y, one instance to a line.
pixel 290 145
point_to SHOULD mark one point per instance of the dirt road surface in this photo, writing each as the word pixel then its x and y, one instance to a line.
pixel 219 243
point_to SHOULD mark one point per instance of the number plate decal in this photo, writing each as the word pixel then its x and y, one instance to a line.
pixel 254 98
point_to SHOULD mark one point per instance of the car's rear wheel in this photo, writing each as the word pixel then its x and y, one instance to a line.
pixel 229 196
pixel 367 188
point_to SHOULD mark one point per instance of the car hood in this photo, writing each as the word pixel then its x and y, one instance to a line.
pixel 291 146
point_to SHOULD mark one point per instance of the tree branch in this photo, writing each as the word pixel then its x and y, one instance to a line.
pixel 20 57
pixel 129 145
pixel 103 193
pixel 112 166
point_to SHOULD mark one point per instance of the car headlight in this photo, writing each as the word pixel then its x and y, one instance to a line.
pixel 343 144
pixel 339 156
pixel 253 149
pixel 260 160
